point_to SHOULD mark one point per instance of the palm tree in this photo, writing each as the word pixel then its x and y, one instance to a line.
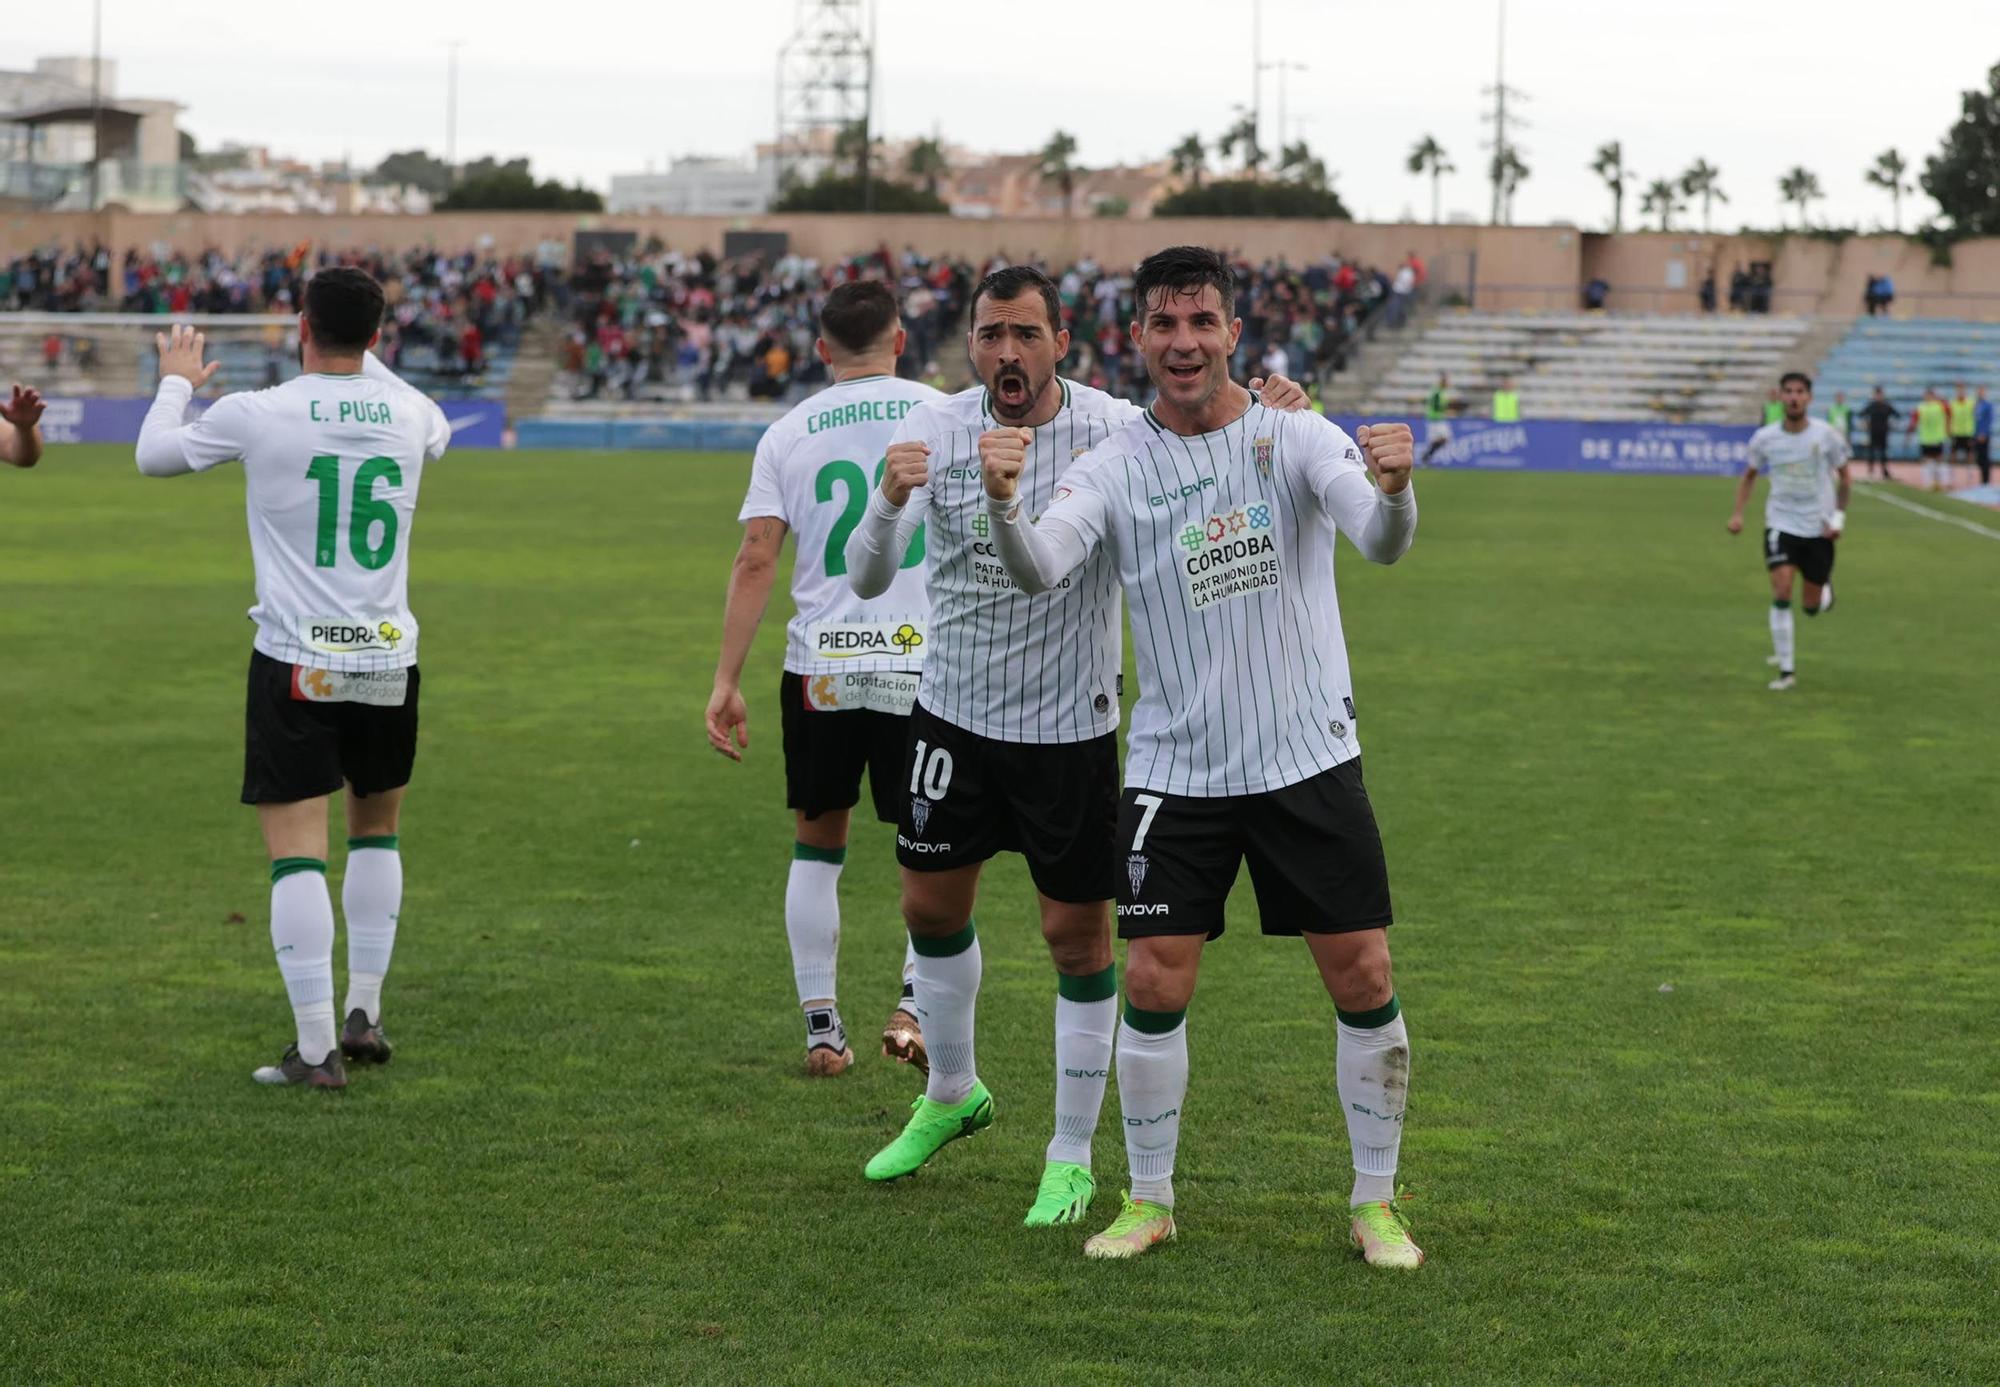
pixel 1242 135
pixel 926 163
pixel 1609 165
pixel 1054 166
pixel 1888 173
pixel 1663 196
pixel 1190 158
pixel 1300 164
pixel 1509 171
pixel 1427 156
pixel 1704 180
pixel 1801 185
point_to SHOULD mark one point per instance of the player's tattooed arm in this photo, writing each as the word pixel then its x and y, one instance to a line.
pixel 750 578
pixel 21 444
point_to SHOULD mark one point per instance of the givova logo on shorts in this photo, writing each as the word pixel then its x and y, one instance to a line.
pixel 1231 554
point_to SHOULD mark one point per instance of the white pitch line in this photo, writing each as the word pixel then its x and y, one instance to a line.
pixel 1928 513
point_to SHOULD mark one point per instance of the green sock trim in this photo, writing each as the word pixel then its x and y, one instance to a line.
pixel 1089 987
pixel 806 852
pixel 950 946
pixel 1371 1020
pixel 1152 1022
pixel 287 866
pixel 386 841
pixel 1781 604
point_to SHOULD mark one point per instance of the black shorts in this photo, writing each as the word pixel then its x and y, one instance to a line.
pixel 1811 555
pixel 826 750
pixel 294 749
pixel 967 797
pixel 1930 450
pixel 1875 450
pixel 1315 858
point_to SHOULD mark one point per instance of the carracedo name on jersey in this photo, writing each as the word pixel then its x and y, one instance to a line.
pixel 881 691
pixel 343 635
pixel 1231 554
pixel 854 640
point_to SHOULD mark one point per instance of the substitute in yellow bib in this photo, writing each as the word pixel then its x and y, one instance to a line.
pixel 1963 428
pixel 1929 421
pixel 1506 402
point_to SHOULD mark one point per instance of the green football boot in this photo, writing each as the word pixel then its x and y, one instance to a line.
pixel 1064 1195
pixel 1139 1225
pixel 1381 1232
pixel 931 1125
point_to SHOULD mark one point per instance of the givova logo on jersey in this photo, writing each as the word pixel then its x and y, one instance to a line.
pixel 340 635
pixel 1231 554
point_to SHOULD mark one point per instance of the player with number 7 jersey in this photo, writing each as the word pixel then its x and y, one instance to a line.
pixel 333 460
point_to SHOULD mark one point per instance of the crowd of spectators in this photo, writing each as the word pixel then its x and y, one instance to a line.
pixel 444 310
pixel 665 323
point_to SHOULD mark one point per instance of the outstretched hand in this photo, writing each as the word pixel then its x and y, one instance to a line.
pixel 180 355
pixel 24 410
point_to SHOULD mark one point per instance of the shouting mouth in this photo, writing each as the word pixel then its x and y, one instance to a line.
pixel 1010 388
pixel 1186 372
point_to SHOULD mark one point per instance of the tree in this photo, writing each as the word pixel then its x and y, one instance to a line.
pixel 1249 197
pixel 1510 171
pixel 1609 165
pixel 1964 175
pixel 1704 180
pixel 1801 186
pixel 1243 136
pixel 418 170
pixel 851 145
pixel 486 166
pixel 1053 163
pixel 1111 207
pixel 1887 172
pixel 1427 156
pixel 1663 196
pixel 926 163
pixel 1190 158
pixel 1298 164
pixel 515 190
pixel 833 191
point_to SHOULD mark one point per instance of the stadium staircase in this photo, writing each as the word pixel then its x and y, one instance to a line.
pixel 1903 358
pixel 537 363
pixel 1370 361
pixel 1639 368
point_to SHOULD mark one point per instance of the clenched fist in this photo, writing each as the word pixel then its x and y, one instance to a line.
pixel 1002 455
pixel 1391 453
pixel 908 468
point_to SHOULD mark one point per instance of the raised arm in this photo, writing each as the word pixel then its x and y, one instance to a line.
pixel 1378 518
pixel 876 547
pixel 21 441
pixel 1036 554
pixel 166 435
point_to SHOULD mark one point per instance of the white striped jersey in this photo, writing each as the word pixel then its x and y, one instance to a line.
pixel 814 470
pixel 1802 467
pixel 1224 544
pixel 332 466
pixel 1003 664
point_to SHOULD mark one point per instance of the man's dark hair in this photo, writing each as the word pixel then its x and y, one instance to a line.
pixel 1011 282
pixel 343 308
pixel 1183 270
pixel 1800 376
pixel 858 314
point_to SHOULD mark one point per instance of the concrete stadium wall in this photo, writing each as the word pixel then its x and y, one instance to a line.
pixel 1514 267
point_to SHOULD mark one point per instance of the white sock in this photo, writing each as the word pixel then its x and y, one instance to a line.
pixel 1373 1067
pixel 812 919
pixel 1152 1085
pixel 1825 598
pixel 1086 1016
pixel 371 897
pixel 908 1000
pixel 1781 636
pixel 302 938
pixel 947 988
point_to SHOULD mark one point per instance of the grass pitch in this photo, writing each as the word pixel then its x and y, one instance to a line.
pixel 1700 982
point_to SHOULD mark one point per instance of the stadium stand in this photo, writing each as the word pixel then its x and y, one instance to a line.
pixel 1607 366
pixel 1904 357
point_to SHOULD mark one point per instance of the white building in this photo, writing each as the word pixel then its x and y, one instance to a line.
pixel 47 140
pixel 697 187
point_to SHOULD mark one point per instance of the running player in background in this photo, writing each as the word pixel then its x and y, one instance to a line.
pixel 1437 419
pixel 21 438
pixel 1013 740
pixel 1219 517
pixel 1931 423
pixel 1803 515
pixel 851 663
pixel 1878 414
pixel 332 462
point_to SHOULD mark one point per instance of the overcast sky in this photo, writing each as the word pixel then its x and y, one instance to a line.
pixel 606 86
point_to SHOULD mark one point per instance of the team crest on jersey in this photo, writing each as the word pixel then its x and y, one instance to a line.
pixel 1135 871
pixel 1263 449
pixel 920 813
